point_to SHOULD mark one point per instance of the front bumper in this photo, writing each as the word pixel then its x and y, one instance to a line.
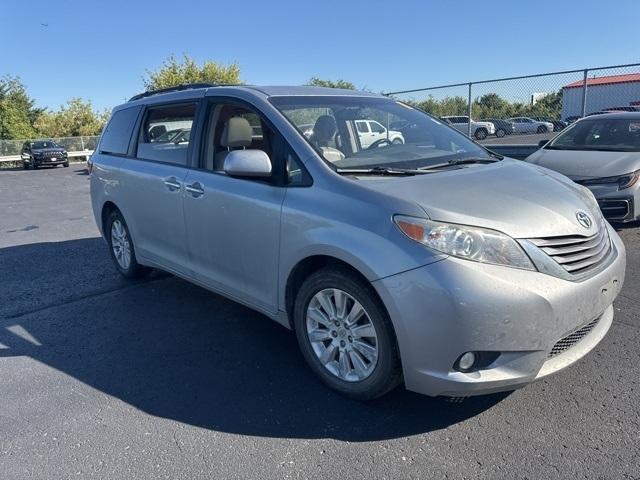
pixel 617 205
pixel 48 161
pixel 453 306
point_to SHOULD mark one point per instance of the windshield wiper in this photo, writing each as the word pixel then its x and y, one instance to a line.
pixel 463 161
pixel 381 171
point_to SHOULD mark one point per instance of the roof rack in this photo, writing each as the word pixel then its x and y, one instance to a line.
pixel 176 88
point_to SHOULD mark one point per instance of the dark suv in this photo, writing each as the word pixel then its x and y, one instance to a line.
pixel 43 152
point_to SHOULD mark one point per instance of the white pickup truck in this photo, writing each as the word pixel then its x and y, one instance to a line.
pixel 479 130
pixel 369 132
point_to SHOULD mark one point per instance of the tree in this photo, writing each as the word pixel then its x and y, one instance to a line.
pixel 76 118
pixel 439 108
pixel 319 82
pixel 17 109
pixel 174 72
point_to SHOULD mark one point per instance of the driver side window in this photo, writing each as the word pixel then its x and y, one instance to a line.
pixel 376 127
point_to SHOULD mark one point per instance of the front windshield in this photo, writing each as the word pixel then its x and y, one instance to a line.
pixel 607 134
pixel 369 132
pixel 44 144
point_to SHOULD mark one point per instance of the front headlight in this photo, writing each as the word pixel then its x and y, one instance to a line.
pixel 470 243
pixel 623 181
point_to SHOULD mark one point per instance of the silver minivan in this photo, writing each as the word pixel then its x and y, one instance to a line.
pixel 430 262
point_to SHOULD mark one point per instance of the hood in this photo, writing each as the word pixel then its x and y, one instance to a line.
pixel 521 200
pixel 48 150
pixel 483 124
pixel 581 165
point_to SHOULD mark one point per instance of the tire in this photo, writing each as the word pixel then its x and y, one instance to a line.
pixel 542 129
pixel 501 132
pixel 25 165
pixel 125 262
pixel 397 141
pixel 480 133
pixel 65 164
pixel 376 377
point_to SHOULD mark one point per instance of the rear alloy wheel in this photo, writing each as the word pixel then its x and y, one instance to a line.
pixel 501 132
pixel 121 247
pixel 542 129
pixel 481 133
pixel 345 335
pixel 397 141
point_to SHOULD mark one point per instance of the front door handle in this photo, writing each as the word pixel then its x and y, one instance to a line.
pixel 195 189
pixel 172 184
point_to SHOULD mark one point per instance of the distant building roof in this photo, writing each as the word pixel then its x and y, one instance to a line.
pixel 609 80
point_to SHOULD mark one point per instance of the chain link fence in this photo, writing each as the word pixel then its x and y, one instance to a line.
pixel 527 109
pixel 71 144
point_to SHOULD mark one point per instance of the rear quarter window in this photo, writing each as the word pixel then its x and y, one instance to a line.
pixel 117 134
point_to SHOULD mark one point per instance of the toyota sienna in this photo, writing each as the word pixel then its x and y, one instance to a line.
pixel 430 262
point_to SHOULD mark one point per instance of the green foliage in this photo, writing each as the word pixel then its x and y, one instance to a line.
pixel 174 72
pixel 491 105
pixel 76 118
pixel 17 109
pixel 319 82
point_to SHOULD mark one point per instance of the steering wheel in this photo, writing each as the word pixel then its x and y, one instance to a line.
pixel 379 143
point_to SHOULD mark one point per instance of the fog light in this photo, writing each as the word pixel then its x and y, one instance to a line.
pixel 466 361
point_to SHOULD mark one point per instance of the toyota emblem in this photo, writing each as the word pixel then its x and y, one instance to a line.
pixel 583 219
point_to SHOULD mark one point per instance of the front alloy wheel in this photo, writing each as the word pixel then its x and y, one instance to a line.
pixel 342 335
pixel 345 334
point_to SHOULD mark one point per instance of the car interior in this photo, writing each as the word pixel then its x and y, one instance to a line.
pixel 235 127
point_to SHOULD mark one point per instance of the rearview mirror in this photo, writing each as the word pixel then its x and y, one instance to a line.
pixel 247 163
pixel 542 143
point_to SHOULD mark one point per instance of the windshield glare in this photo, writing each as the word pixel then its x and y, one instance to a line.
pixel 610 134
pixel 44 144
pixel 362 132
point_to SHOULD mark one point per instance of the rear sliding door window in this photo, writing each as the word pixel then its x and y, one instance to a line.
pixel 166 133
pixel 117 134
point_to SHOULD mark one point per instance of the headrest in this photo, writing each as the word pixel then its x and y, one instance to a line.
pixel 236 133
pixel 324 129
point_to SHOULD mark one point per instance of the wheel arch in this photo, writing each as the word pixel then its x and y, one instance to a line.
pixel 107 208
pixel 311 264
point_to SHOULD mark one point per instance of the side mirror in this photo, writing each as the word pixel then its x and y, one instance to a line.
pixel 247 163
pixel 542 143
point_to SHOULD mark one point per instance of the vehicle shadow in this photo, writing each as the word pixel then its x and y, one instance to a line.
pixel 177 351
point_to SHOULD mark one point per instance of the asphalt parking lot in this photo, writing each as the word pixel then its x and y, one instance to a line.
pixel 106 378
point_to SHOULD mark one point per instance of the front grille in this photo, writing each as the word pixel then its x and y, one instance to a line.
pixel 577 253
pixel 615 208
pixel 570 340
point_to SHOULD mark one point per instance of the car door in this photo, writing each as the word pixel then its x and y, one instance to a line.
pixel 233 224
pixel 364 133
pixel 377 130
pixel 459 124
pixel 152 186
pixel 517 125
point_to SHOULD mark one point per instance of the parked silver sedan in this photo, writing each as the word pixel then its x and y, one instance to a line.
pixel 431 263
pixel 529 125
pixel 601 152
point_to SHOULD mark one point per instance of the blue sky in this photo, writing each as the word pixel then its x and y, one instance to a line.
pixel 99 50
